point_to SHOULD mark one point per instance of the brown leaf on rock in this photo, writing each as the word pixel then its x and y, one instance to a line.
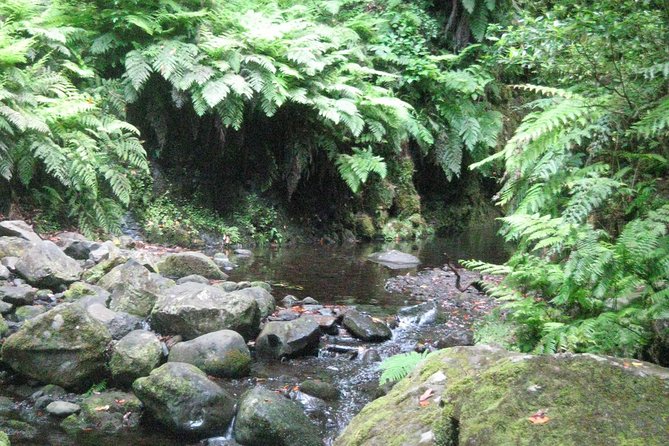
pixel 539 417
pixel 426 395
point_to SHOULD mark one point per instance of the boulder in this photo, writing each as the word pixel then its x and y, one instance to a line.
pixel 96 273
pixel 4 272
pixel 183 264
pixel 62 408
pixel 104 251
pixel 18 228
pixel 221 353
pixel 394 259
pixel 193 309
pixel 265 300
pixel 487 396
pixel 267 418
pixel 366 327
pixel 63 346
pixel 279 339
pixel 119 324
pixel 105 413
pixel 46 265
pixel 134 289
pixel 14 247
pixel 134 356
pixel 18 295
pixel 181 397
pixel 28 312
pixel 320 389
pixel 193 278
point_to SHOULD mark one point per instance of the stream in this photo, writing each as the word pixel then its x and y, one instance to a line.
pixel 334 276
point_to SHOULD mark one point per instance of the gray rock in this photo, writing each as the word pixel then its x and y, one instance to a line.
pixel 181 396
pixel 82 249
pixel 9 262
pixel 221 353
pixel 105 251
pixel 280 339
pixel 243 252
pixel 104 414
pixel 320 389
pixel 18 228
pixel 267 418
pixel 134 289
pixel 193 278
pixel 370 356
pixel 309 301
pixel 62 408
pixel 5 307
pixel 228 286
pixel 365 327
pixel 327 324
pixel 259 283
pixel 79 290
pixel 289 301
pixel 118 323
pixel 46 265
pixel 28 312
pixel 186 263
pixel 394 259
pixel 18 295
pixel 456 338
pixel 14 247
pixel 46 395
pixel 63 346
pixel 266 302
pixel 134 356
pixel 193 309
pixel 4 272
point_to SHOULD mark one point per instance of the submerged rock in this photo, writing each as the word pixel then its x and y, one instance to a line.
pixel 134 356
pixel 267 418
pixel 279 339
pixel 184 264
pixel 46 265
pixel 221 353
pixel 63 346
pixel 394 259
pixel 181 396
pixel 485 395
pixel 193 309
pixel 366 327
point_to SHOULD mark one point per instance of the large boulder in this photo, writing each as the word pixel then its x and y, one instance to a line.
pixel 63 346
pixel 366 327
pixel 104 414
pixel 118 323
pixel 45 265
pixel 134 356
pixel 18 295
pixel 134 289
pixel 18 228
pixel 394 259
pixel 181 397
pixel 221 353
pixel 486 396
pixel 193 309
pixel 184 264
pixel 279 339
pixel 266 418
pixel 14 246
pixel 266 302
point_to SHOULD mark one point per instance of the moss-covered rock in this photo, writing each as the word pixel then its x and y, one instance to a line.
pixel 485 396
pixel 134 356
pixel 96 273
pixel 105 413
pixel 183 264
pixel 221 353
pixel 63 346
pixel 320 389
pixel 364 225
pixel 44 264
pixel 4 439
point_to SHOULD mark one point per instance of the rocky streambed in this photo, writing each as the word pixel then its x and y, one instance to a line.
pixel 122 343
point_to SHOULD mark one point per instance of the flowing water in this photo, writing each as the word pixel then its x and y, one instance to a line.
pixel 333 275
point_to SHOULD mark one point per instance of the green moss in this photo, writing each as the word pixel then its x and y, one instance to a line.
pixel 96 273
pixel 364 226
pixel 4 439
pixel 78 290
pixel 236 364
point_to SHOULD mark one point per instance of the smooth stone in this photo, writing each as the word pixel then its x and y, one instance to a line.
pixel 62 408
pixel 394 259
pixel 279 339
pixel 28 312
pixel 221 353
pixel 184 264
pixel 193 278
pixel 365 327
pixel 134 356
pixel 4 272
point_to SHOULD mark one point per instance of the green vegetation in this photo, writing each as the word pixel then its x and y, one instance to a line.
pixel 397 367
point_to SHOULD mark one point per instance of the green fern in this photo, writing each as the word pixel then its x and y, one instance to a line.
pixel 396 367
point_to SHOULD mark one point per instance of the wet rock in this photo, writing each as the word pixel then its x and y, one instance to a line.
pixel 320 389
pixel 46 265
pixel 20 229
pixel 369 356
pixel 193 309
pixel 221 353
pixel 181 396
pixel 134 356
pixel 260 284
pixel 289 301
pixel 46 395
pixel 456 338
pixel 4 272
pixel 77 247
pixel 105 413
pixel 365 327
pixel 28 312
pixel 394 259
pixel 14 247
pixel 484 391
pixel 118 323
pixel 193 278
pixel 18 295
pixel 134 289
pixel 62 408
pixel 422 314
pixel 63 346
pixel 243 252
pixel 264 299
pixel 218 441
pixel 267 418
pixel 280 339
pixel 309 301
pixel 327 324
pixel 284 315
pixel 5 307
pixel 186 263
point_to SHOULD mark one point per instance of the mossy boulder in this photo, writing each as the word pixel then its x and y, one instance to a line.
pixel 221 353
pixel 63 346
pixel 181 397
pixel 364 225
pixel 96 273
pixel 485 395
pixel 134 356
pixel 14 246
pixel 320 389
pixel 267 418
pixel 104 413
pixel 184 264
pixel 193 309
pixel 45 265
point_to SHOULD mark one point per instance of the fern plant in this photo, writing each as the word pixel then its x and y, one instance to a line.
pixel 396 367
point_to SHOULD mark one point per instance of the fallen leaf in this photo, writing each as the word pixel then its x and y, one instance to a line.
pixel 637 364
pixel 120 401
pixel 427 394
pixel 101 408
pixel 423 403
pixel 539 417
